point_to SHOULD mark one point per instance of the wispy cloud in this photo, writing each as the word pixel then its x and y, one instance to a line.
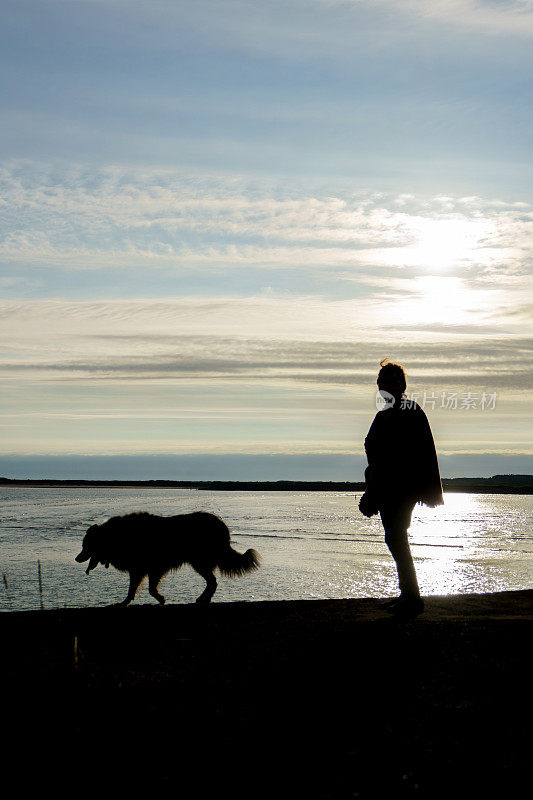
pixel 115 218
pixel 499 18
pixel 296 340
pixel 244 375
pixel 324 24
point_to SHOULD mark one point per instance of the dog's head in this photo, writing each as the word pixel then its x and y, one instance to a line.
pixel 92 548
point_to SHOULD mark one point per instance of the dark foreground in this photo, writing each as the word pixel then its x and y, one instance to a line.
pixel 325 699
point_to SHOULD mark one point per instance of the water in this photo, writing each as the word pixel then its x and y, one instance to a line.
pixel 312 544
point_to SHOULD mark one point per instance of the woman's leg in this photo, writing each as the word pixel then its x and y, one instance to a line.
pixel 396 519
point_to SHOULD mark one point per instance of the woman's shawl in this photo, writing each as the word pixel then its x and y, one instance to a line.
pixel 402 461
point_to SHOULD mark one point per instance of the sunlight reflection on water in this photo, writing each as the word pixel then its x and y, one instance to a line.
pixel 473 542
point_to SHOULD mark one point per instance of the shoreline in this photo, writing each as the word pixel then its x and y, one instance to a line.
pixel 455 485
pixel 475 606
pixel 316 698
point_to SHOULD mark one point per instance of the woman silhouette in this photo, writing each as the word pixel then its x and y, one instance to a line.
pixel 402 470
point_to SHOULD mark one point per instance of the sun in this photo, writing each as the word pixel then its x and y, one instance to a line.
pixel 441 244
pixel 444 243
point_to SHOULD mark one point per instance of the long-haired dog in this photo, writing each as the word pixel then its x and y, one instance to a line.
pixel 145 544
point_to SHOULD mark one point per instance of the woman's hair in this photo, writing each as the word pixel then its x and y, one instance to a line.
pixel 391 372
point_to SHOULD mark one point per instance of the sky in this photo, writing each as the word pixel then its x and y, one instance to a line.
pixel 217 217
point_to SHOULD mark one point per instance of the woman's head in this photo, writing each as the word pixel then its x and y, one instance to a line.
pixel 391 378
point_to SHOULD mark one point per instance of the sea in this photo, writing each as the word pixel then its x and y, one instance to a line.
pixel 312 545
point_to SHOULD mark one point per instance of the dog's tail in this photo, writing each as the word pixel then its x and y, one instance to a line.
pixel 234 564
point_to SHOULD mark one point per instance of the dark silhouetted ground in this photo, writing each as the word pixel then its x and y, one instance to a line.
pixel 326 699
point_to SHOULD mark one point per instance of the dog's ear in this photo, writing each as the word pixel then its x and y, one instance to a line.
pixel 93 562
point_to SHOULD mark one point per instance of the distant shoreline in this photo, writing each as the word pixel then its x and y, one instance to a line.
pixel 516 484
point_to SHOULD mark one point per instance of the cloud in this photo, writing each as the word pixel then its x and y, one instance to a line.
pixel 266 339
pixel 251 374
pixel 513 17
pixel 74 218
pixel 318 27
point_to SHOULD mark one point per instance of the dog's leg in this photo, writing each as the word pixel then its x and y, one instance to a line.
pixel 211 587
pixel 135 580
pixel 153 583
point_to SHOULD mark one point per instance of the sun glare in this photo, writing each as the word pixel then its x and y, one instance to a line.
pixel 438 299
pixel 442 243
pixel 441 299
